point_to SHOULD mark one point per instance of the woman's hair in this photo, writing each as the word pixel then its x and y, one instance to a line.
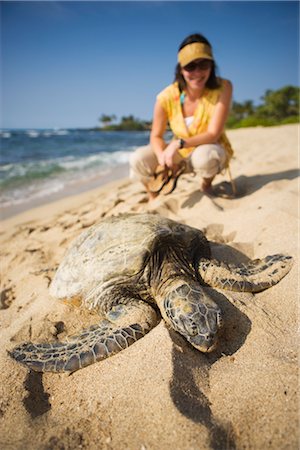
pixel 212 82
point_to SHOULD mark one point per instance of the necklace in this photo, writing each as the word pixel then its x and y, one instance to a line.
pixel 188 107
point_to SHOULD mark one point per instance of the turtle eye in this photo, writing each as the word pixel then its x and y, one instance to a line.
pixel 164 230
pixel 180 229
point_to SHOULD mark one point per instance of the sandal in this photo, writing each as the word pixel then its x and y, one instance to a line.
pixel 171 184
pixel 159 179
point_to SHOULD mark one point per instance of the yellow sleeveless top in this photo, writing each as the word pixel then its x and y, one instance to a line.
pixel 169 99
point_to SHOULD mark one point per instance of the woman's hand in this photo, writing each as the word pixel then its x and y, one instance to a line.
pixel 171 154
pixel 161 158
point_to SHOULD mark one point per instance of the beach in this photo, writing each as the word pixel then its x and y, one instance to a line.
pixel 161 393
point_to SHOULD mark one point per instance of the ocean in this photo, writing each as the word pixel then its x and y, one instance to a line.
pixel 37 165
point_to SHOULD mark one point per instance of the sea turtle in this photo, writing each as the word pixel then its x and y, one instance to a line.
pixel 129 269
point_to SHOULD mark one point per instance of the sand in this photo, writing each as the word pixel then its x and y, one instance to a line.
pixel 161 393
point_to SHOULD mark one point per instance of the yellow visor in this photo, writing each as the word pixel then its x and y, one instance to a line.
pixel 196 50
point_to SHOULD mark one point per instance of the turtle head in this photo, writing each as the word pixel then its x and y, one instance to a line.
pixel 191 312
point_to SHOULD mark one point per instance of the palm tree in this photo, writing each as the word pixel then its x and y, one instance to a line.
pixel 107 120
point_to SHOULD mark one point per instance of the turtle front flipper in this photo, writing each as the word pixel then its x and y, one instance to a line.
pixel 125 324
pixel 255 276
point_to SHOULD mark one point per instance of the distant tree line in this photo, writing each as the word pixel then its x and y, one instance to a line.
pixel 126 123
pixel 277 107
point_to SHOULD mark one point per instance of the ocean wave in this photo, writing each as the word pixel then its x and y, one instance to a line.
pixel 52 160
pixel 35 133
pixel 32 133
pixel 33 191
pixel 103 159
pixel 50 133
pixel 23 182
pixel 26 172
pixel 5 134
pixel 22 174
pixel 38 189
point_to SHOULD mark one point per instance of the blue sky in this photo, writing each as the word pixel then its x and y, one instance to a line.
pixel 66 63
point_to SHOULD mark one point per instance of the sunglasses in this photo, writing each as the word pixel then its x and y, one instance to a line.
pixel 204 64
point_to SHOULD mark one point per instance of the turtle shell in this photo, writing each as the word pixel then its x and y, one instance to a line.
pixel 114 249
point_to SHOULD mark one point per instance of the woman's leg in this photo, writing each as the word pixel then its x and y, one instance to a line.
pixel 208 160
pixel 143 163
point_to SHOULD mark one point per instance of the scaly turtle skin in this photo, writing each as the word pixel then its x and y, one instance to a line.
pixel 129 267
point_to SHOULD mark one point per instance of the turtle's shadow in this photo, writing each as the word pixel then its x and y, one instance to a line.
pixel 245 185
pixel 191 368
pixel 191 373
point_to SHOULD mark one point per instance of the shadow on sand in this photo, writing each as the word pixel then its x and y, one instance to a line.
pixel 191 368
pixel 244 186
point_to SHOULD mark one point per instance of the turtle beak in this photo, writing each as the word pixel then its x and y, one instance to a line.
pixel 204 343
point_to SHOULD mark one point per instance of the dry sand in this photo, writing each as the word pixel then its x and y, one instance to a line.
pixel 161 393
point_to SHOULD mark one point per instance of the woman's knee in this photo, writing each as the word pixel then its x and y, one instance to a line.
pixel 142 163
pixel 137 156
pixel 208 159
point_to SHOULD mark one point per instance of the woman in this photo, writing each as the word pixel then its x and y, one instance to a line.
pixel 196 106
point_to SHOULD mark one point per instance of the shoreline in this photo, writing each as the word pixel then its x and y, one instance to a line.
pixel 117 173
pixel 117 177
pixel 61 205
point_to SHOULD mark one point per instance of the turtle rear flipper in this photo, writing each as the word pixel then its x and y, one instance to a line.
pixel 91 345
pixel 255 276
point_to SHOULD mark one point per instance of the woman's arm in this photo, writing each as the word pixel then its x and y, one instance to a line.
pixel 159 125
pixel 218 120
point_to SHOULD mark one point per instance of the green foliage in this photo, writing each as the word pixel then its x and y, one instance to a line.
pixel 127 123
pixel 130 123
pixel 278 107
pixel 253 121
pixel 106 120
pixel 280 104
pixel 291 119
